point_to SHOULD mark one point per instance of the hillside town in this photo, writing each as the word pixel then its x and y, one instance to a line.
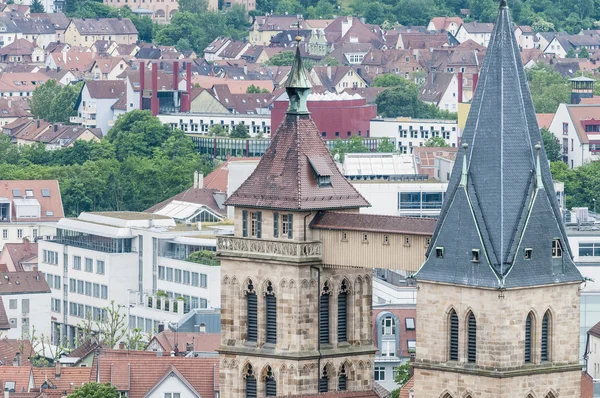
pixel 299 198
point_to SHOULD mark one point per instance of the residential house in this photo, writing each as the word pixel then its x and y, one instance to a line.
pixel 13 352
pixel 203 100
pixel 399 62
pixel 132 84
pixel 235 85
pixel 213 50
pixel 85 32
pixel 234 50
pixel 21 379
pixel 23 51
pixel 12 109
pixel 421 40
pixel 19 257
pixel 95 252
pixel 253 55
pixel 126 50
pixel 248 5
pixel 160 11
pixel 544 38
pixel 441 90
pixel 445 24
pixel 336 78
pixel 266 27
pixel 351 53
pixel 317 45
pixel 38 30
pixel 95 101
pixel 562 43
pixel 350 29
pixel 57 19
pixel 104 47
pixel 20 84
pixel 249 104
pixel 78 62
pixel 480 33
pixel 526 38
pixel 106 67
pixel 577 128
pixel 169 341
pixel 26 298
pixel 592 354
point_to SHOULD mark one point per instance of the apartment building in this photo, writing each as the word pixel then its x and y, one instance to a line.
pixel 140 261
pixel 28 209
pixel 162 10
pixel 410 133
pixel 85 32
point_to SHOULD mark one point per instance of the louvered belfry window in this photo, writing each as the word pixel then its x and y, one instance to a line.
pixel 472 339
pixel 250 383
pixel 342 381
pixel 324 315
pixel 270 384
pixel 453 336
pixel 342 334
pixel 252 313
pixel 271 301
pixel 528 325
pixel 324 381
pixel 545 326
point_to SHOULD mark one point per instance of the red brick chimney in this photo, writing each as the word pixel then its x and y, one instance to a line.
pixel 154 101
pixel 142 72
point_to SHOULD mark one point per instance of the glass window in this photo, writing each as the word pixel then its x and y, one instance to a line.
pixel 89 265
pixel 72 285
pixel 379 373
pixel 432 200
pixel 161 272
pixel 556 248
pixel 170 274
pixel 410 200
pixel 88 288
pixel 80 287
pixel 410 323
pixel 104 292
pixel 100 267
pixel 589 249
pixel 202 280
pixel 195 279
pixel 388 348
pixel 76 262
pixel 57 282
pixel 177 276
pixel 412 345
pixel 96 290
pixel 388 328
pixel 186 277
pixel 12 304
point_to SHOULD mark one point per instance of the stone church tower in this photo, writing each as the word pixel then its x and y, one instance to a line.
pixel 498 304
pixel 289 323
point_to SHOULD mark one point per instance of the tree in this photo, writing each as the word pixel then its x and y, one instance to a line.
pixel 542 26
pixel 183 44
pixel 388 80
pixel 112 327
pixel 571 53
pixel 551 145
pixel 289 7
pixel 239 131
pixel 95 390
pixel 284 58
pixel 36 7
pixel 324 9
pixel 252 89
pixel 53 102
pixel 583 53
pixel 548 88
pixel 193 6
pixel 386 145
pixel 437 142
pixel 401 376
pixel 217 130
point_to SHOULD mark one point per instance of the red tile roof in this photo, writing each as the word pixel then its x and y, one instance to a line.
pixel 23 282
pixel 595 330
pixel 69 378
pixel 545 119
pixel 200 342
pixel 339 394
pixel 285 179
pixel 21 375
pixel 19 252
pixel 4 324
pixel 52 203
pixel 373 222
pixel 10 347
pixel 405 390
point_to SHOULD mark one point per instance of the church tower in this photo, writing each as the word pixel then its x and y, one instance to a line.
pixel 289 323
pixel 498 303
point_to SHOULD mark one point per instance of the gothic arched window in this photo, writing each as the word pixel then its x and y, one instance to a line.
pixel 251 312
pixel 324 315
pixel 271 313
pixel 342 379
pixel 270 384
pixel 250 383
pixel 342 334
pixel 453 336
pixel 528 337
pixel 546 329
pixel 324 380
pixel 471 338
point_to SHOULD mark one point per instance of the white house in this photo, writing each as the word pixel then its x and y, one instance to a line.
pixel 410 133
pixel 478 32
pixel 95 103
pixel 441 90
pixel 525 37
pixel 577 128
pixel 128 258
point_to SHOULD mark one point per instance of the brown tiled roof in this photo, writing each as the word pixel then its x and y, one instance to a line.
pixel 4 325
pixel 106 88
pixel 235 86
pixel 373 222
pixel 21 82
pixel 425 157
pixel 435 86
pixel 201 342
pixel 69 377
pixel 442 23
pixel 595 330
pixel 545 119
pixel 20 251
pixel 139 375
pixel 285 179
pixel 405 390
pixel 83 349
pixel 23 282
pixel 52 203
pixel 595 100
pixel 21 375
pixel 579 113
pixel 471 45
pixel 18 47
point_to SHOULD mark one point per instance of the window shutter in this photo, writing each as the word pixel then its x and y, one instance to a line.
pixel 290 225
pixel 271 387
pixel 545 338
pixel 245 223
pixel 275 225
pixel 271 319
pixel 259 224
pixel 324 319
pixel 252 319
pixel 342 383
pixel 472 336
pixel 250 387
pixel 453 336
pixel 342 315
pixel 528 339
pixel 323 384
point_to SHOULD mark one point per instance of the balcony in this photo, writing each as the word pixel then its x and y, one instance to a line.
pixel 278 250
pixel 76 119
pixel 89 123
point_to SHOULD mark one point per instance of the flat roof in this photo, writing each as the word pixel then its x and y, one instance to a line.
pixel 131 215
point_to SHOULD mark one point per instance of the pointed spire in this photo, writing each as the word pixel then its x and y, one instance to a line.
pixel 503 4
pixel 463 178
pixel 297 85
pixel 538 170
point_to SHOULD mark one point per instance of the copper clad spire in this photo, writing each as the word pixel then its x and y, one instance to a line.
pixel 297 85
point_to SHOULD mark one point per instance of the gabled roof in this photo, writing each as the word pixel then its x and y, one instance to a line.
pixel 435 86
pixel 500 199
pixel 18 47
pixel 105 89
pixel 21 282
pixel 578 114
pixel 595 330
pixel 105 26
pixel 443 23
pixel 287 175
pixel 199 342
pixel 5 325
pixel 19 252
pixel 21 375
pixel 51 206
pixel 478 27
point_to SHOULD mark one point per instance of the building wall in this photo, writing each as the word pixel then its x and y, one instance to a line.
pixel 206 103
pixel 199 123
pixel 171 385
pixel 163 10
pixel 337 119
pixel 411 133
pixel 74 38
pixel 554 47
pixel 22 323
pixel 28 230
pixel 593 362
pixel 500 340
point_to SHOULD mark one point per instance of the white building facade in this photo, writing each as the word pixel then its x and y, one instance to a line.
pixel 410 133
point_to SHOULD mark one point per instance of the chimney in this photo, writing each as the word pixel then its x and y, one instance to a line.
pixel 154 101
pixel 475 80
pixel 57 370
pixel 38 123
pixel 195 179
pixel 200 180
pixel 186 97
pixel 245 69
pixel 121 345
pixel 460 87
pixel 329 72
pixel 175 75
pixel 55 127
pixel 142 71
pixel 9 103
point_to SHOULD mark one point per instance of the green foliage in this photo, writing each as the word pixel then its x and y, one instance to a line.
pixel 551 145
pixel 284 58
pixel 239 131
pixel 386 145
pixel 402 100
pixel 217 130
pixel 354 144
pixel 583 53
pixel 548 88
pixel 53 102
pixel 36 7
pixel 402 374
pixel 582 184
pixel 95 390
pixel 571 53
pixel 183 44
pixel 324 9
pixel 206 257
pixel 252 89
pixel 388 80
pixel 437 142
pixel 140 163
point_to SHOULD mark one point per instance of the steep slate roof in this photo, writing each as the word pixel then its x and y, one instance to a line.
pixel 286 176
pixel 496 202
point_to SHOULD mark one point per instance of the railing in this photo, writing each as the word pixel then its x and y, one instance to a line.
pixel 250 247
pixel 76 119
pixel 183 257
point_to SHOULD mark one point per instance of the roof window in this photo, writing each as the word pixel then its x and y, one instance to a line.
pixel 16 193
pixel 45 192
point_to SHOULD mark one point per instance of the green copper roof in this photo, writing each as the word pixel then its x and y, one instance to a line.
pixel 297 85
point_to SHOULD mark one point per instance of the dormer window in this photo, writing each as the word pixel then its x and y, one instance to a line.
pixel 321 170
pixel 528 253
pixel 556 248
pixel 439 252
pixel 475 255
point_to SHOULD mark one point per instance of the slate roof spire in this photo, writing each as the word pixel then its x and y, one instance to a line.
pixel 499 201
pixel 297 85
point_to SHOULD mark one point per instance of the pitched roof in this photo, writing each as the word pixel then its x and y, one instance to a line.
pixel 478 27
pixel 105 89
pixel 21 375
pixel 20 251
pixel 435 86
pixel 373 223
pixel 4 325
pixel 21 82
pixel 51 206
pixel 443 23
pixel 580 113
pixel 105 26
pixel 405 390
pixel 20 282
pixel 509 207
pixel 199 342
pixel 69 378
pixel 203 196
pixel 18 47
pixel 544 119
